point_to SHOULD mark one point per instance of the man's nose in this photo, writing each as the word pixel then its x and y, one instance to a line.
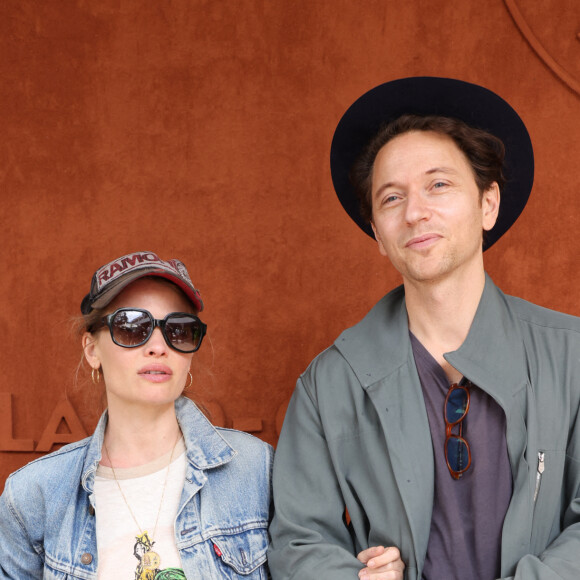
pixel 416 206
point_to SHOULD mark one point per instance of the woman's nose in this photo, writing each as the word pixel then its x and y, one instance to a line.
pixel 156 344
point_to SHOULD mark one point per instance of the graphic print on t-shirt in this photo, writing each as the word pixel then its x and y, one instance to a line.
pixel 149 562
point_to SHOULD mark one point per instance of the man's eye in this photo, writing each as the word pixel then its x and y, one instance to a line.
pixel 390 199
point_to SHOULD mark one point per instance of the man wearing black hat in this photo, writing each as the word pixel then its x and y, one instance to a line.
pixel 445 424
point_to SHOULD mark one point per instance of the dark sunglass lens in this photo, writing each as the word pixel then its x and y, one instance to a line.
pixel 457 454
pixel 456 406
pixel 131 327
pixel 184 332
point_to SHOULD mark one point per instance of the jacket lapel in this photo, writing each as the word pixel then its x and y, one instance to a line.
pixel 493 356
pixel 379 351
pixel 399 403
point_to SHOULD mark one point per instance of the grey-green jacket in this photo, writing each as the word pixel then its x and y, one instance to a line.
pixel 356 434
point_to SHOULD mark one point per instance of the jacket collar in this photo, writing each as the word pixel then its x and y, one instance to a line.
pixel 379 344
pixel 206 448
pixel 492 356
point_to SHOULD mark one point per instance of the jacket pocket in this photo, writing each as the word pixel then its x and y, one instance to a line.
pixel 242 554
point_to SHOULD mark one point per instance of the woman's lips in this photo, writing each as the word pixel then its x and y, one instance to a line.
pixel 155 373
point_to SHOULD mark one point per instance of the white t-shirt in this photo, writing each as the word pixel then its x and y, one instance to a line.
pixel 120 552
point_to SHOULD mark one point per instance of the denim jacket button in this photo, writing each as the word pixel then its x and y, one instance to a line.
pixel 86 558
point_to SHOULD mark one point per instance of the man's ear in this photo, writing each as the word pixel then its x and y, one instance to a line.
pixel 490 201
pixel 379 240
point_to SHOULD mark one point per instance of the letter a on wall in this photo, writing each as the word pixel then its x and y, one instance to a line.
pixel 50 436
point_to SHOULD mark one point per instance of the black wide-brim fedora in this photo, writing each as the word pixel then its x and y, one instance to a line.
pixel 475 105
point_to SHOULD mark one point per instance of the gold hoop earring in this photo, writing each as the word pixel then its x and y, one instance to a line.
pixel 98 380
pixel 187 387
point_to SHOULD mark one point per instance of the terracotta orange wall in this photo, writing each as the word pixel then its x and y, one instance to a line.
pixel 201 130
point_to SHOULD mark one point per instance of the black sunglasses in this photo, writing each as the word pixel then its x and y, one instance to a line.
pixel 132 327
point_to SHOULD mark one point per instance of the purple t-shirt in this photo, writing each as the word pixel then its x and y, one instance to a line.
pixel 468 514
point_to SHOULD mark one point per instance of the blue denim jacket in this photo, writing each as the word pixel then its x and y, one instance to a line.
pixel 47 510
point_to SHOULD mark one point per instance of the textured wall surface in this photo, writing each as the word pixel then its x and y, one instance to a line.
pixel 201 130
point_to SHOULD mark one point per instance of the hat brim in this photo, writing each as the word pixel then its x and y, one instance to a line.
pixel 475 105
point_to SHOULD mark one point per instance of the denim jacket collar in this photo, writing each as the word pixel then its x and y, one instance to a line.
pixel 206 448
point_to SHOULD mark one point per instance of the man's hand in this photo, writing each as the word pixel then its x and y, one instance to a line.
pixel 381 564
